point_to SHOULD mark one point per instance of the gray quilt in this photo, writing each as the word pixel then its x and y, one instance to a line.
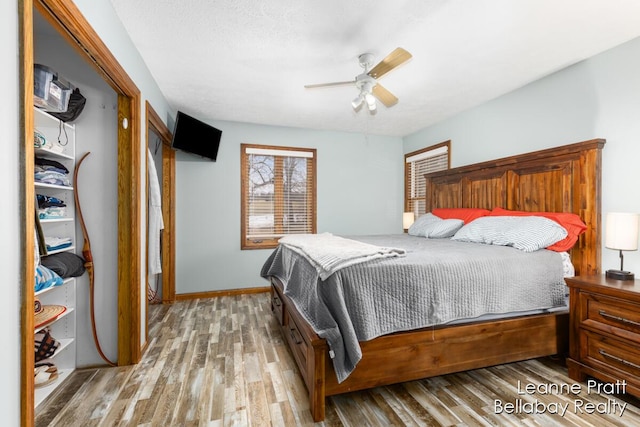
pixel 436 282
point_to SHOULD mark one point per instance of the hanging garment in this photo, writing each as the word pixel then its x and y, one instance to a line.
pixel 156 224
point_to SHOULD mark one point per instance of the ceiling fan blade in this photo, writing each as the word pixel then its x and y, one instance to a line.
pixel 330 84
pixel 386 97
pixel 398 57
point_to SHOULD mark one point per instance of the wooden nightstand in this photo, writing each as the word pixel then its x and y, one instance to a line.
pixel 605 330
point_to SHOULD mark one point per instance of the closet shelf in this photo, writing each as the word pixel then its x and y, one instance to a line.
pixel 65 282
pixel 66 313
pixel 54 220
pixel 40 152
pixel 57 251
pixel 64 344
pixel 42 392
pixel 53 186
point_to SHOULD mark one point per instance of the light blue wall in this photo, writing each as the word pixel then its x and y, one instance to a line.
pixel 597 98
pixel 359 191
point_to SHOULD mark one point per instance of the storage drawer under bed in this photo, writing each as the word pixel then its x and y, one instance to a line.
pixel 298 345
pixel 277 304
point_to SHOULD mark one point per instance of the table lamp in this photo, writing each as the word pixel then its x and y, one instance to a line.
pixel 407 220
pixel 621 233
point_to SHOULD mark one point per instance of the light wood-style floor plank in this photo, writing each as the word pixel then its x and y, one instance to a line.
pixel 222 362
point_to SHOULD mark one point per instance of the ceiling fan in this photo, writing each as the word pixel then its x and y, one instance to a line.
pixel 367 82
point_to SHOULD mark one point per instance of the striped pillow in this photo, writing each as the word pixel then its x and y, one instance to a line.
pixel 569 221
pixel 443 229
pixel 432 227
pixel 527 233
pixel 419 227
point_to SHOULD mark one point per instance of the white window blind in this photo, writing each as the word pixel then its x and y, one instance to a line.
pixel 278 194
pixel 417 164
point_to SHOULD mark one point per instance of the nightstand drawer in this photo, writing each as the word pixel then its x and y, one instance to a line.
pixel 606 353
pixel 611 315
pixel 605 330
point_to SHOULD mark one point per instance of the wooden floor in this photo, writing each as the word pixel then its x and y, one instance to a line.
pixel 222 362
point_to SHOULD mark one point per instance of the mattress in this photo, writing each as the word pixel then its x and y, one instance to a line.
pixel 435 282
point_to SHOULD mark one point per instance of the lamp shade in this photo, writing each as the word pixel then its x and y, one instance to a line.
pixel 621 231
pixel 407 219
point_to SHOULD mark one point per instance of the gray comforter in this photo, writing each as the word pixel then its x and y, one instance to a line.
pixel 436 282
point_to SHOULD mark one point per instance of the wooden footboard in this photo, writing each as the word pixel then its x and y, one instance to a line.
pixel 416 354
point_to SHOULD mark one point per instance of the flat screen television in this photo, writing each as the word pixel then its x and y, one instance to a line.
pixel 194 136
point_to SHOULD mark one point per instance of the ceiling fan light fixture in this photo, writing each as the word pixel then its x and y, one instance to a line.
pixel 357 101
pixel 371 101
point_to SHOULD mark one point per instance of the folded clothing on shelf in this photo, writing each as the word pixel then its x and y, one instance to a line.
pixel 52 212
pixel 65 264
pixel 55 243
pixel 51 172
pixel 52 177
pixel 45 201
pixel 46 278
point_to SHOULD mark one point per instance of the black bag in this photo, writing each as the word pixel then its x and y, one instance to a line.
pixel 76 105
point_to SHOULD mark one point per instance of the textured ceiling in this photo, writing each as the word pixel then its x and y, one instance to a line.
pixel 248 60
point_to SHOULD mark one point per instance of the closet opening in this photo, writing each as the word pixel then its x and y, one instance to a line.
pixel 120 103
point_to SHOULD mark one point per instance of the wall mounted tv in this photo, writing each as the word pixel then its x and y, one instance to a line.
pixel 193 136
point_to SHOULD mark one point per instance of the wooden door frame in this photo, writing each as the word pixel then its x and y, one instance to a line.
pixel 71 24
pixel 156 125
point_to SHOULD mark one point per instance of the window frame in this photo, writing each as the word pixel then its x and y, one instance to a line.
pixel 408 200
pixel 311 199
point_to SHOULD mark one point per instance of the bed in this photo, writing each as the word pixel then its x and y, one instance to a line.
pixel 562 179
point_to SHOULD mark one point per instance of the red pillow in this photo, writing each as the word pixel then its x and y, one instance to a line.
pixel 570 221
pixel 465 214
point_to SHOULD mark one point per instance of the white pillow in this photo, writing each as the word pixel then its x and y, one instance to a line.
pixel 433 227
pixel 527 233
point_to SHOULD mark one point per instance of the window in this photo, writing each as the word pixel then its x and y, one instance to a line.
pixel 430 159
pixel 278 194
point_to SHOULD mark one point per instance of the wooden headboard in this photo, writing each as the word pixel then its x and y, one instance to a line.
pixel 561 179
